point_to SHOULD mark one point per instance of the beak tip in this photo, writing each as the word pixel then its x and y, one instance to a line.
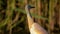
pixel 32 7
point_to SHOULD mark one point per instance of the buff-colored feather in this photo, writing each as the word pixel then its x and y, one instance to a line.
pixel 34 28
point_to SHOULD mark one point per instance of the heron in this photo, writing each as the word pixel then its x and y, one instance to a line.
pixel 34 27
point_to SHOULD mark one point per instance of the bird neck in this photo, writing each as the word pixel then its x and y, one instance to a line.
pixel 29 18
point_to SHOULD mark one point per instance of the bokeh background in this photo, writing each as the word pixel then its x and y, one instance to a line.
pixel 13 18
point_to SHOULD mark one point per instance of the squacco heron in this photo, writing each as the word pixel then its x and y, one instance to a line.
pixel 34 27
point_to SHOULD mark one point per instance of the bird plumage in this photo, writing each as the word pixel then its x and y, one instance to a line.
pixel 34 28
pixel 37 29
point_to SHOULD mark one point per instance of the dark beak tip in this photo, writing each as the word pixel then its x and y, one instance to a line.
pixel 32 7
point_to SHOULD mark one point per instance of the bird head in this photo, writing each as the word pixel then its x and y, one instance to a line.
pixel 28 7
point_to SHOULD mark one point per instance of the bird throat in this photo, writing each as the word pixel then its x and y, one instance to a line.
pixel 29 14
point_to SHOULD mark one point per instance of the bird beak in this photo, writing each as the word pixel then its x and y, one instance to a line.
pixel 32 7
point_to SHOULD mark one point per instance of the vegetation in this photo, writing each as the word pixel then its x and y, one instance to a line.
pixel 13 16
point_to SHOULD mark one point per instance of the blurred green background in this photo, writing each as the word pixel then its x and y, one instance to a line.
pixel 13 18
